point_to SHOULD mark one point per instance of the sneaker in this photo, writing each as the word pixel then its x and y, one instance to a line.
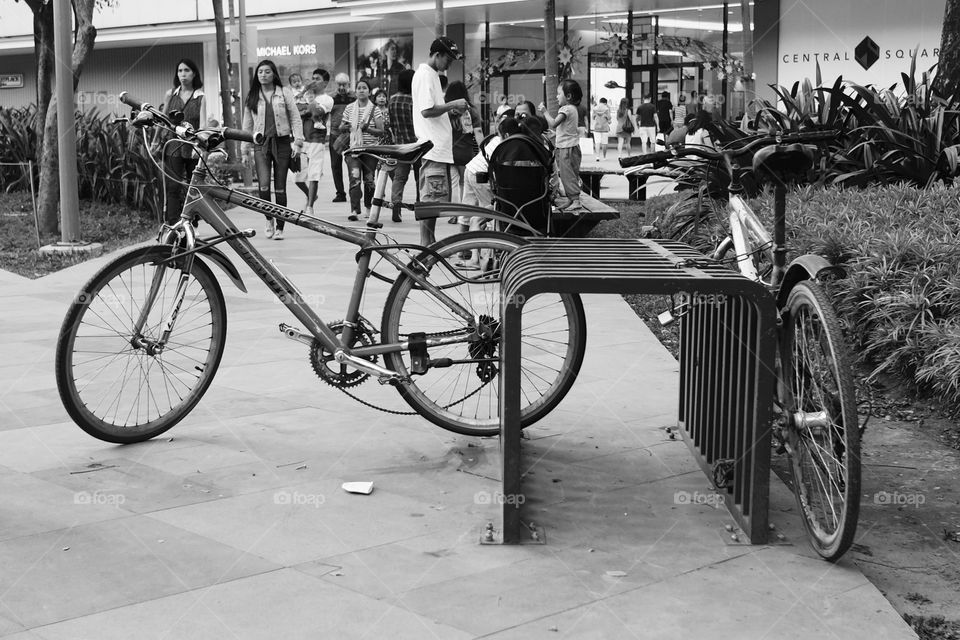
pixel 396 216
pixel 268 231
pixel 278 235
pixel 353 217
pixel 308 210
pixel 340 198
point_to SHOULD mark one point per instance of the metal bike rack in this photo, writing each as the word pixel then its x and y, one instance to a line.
pixel 726 358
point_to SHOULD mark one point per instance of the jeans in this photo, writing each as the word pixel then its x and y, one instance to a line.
pixel 273 155
pixel 176 166
pixel 336 168
pixel 399 177
pixel 361 169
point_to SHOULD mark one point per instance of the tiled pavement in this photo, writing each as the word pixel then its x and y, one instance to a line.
pixel 234 525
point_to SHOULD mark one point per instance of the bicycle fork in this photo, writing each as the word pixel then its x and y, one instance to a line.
pixel 138 340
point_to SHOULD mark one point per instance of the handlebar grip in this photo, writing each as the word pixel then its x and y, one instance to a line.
pixel 129 100
pixel 243 136
pixel 648 158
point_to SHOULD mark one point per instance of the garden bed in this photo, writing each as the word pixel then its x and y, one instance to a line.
pixel 114 226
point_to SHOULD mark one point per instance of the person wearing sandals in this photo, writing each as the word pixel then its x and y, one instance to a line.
pixel 365 122
pixel 179 160
pixel 271 109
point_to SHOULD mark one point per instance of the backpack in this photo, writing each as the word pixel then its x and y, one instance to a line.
pixel 519 171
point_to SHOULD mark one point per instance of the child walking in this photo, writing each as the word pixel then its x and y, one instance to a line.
pixel 567 155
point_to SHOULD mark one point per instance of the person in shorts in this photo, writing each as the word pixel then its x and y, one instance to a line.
pixel 431 121
pixel 647 125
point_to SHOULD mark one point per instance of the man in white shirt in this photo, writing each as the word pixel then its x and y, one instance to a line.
pixel 439 179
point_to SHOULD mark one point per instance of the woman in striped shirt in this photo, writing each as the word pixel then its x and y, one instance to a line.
pixel 365 123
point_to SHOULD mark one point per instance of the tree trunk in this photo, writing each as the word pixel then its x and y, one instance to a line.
pixel 225 101
pixel 550 61
pixel 948 73
pixel 48 196
pixel 44 58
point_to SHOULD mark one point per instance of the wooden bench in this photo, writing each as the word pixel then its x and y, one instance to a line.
pixel 569 225
pixel 590 177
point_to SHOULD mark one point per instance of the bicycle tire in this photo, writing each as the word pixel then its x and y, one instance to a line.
pixel 155 391
pixel 465 398
pixel 816 391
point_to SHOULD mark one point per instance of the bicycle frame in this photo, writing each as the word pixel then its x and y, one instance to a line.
pixel 744 221
pixel 202 202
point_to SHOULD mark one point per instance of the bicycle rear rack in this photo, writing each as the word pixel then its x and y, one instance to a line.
pixel 728 336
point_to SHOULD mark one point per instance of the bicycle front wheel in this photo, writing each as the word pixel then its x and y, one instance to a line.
pixel 115 382
pixel 818 403
pixel 465 396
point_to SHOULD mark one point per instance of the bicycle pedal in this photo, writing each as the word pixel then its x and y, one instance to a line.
pixel 375 225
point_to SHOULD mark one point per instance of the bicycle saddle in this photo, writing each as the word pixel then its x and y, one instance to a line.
pixel 399 152
pixel 784 158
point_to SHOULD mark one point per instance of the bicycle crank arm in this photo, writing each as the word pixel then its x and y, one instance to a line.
pixel 384 376
pixel 296 334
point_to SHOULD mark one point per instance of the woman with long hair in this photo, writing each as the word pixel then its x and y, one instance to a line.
pixel 624 130
pixel 270 109
pixel 365 123
pixel 186 96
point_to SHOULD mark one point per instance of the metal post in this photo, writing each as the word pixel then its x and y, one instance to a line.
pixel 655 72
pixel 485 66
pixel 629 64
pixel 66 126
pixel 439 26
pixel 242 79
pixel 726 35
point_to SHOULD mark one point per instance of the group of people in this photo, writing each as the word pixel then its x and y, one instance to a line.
pixel 302 121
pixel 676 123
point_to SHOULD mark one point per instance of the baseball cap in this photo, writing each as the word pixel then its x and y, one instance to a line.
pixel 443 44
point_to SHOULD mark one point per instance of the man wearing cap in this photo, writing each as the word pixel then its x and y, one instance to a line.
pixel 438 177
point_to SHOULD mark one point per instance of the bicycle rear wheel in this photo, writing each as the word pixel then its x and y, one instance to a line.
pixel 116 385
pixel 816 398
pixel 465 397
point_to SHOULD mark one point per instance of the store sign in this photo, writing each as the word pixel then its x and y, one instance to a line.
pixel 286 50
pixel 11 80
pixel 865 41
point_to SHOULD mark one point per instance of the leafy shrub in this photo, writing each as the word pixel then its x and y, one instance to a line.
pixel 18 144
pixel 112 161
pixel 900 301
pixel 114 165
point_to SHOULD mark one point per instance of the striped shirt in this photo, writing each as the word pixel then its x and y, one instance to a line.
pixel 357 116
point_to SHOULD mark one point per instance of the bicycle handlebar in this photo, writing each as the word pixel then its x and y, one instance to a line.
pixel 711 154
pixel 208 138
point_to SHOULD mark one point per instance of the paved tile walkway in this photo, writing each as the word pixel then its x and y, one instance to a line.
pixel 234 525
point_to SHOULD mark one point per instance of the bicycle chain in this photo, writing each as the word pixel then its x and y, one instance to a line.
pixel 413 413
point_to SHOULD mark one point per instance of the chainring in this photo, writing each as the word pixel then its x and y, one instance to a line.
pixel 340 375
